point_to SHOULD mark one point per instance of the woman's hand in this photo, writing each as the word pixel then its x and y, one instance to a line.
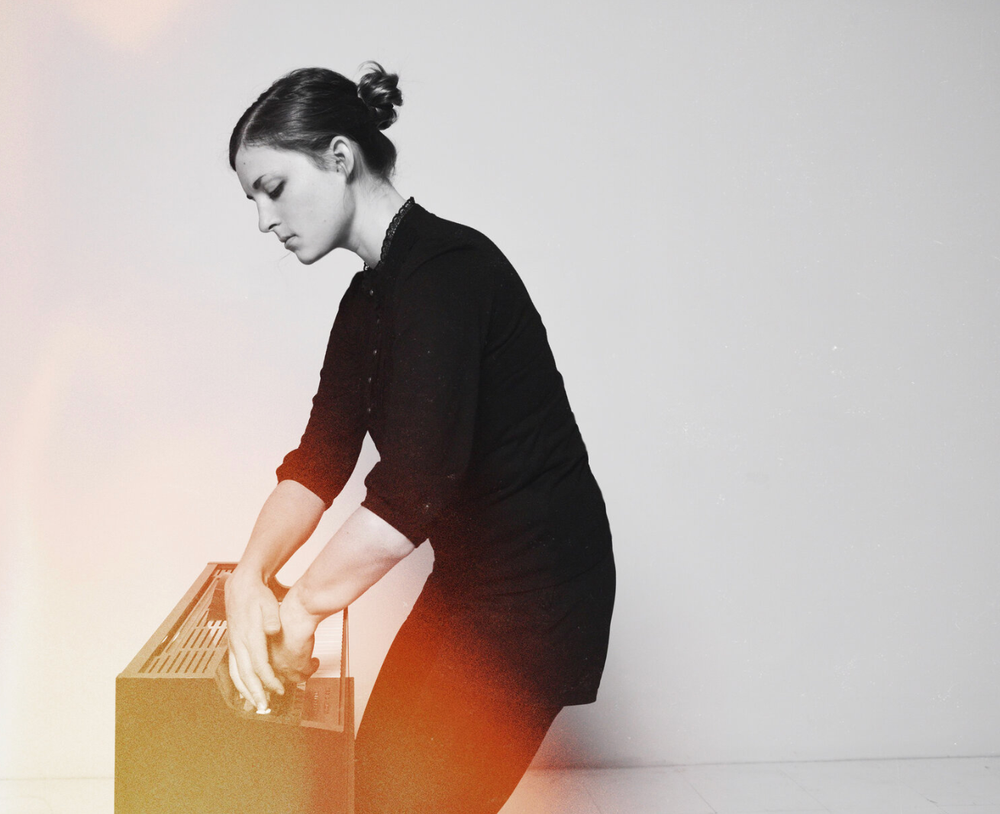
pixel 291 650
pixel 251 616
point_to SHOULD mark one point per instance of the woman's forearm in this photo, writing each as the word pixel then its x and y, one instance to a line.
pixel 362 551
pixel 289 516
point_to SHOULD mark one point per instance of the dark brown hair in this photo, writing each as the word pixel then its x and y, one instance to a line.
pixel 306 108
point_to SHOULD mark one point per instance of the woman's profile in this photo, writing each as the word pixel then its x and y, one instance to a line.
pixel 437 353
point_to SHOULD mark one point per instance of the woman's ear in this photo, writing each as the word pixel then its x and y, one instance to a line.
pixel 340 156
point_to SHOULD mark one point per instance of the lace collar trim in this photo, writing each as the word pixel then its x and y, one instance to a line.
pixel 390 233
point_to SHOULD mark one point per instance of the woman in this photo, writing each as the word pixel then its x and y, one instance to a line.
pixel 438 353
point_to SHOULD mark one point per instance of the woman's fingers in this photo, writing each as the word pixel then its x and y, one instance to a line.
pixel 252 614
pixel 234 674
pixel 245 677
pixel 262 667
pixel 292 657
pixel 296 676
pixel 270 615
pixel 256 650
pixel 256 677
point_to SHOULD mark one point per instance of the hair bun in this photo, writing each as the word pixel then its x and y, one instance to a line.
pixel 379 90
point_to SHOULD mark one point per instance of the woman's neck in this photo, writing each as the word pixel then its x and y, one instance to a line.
pixel 376 206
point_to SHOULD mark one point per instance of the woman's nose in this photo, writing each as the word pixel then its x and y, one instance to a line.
pixel 266 218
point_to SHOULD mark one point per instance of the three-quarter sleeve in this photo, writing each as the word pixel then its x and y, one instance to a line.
pixel 331 443
pixel 438 315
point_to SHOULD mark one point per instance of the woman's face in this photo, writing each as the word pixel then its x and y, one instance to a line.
pixel 306 206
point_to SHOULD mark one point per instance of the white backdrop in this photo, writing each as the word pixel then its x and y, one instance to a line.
pixel 763 237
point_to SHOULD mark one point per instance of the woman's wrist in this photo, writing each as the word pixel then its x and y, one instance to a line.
pixel 251 568
pixel 296 617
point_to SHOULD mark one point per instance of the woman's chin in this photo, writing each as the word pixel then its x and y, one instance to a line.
pixel 304 257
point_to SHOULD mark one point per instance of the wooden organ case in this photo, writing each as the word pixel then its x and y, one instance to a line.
pixel 183 745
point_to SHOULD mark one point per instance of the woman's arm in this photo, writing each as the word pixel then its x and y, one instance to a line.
pixel 362 551
pixel 289 516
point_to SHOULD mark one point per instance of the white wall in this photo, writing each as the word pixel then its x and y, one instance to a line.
pixel 763 237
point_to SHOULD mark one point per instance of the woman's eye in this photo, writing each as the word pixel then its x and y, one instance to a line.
pixel 274 193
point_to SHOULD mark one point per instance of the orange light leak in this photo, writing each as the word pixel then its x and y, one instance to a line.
pixel 445 729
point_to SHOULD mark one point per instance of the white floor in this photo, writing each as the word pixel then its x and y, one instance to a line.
pixel 946 786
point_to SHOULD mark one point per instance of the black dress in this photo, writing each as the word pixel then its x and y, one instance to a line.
pixel 440 355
